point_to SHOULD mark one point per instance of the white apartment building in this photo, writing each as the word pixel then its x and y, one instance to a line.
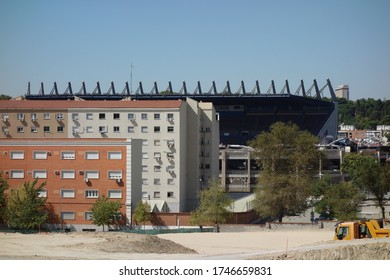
pixel 179 138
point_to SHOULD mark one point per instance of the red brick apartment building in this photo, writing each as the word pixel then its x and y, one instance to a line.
pixel 77 172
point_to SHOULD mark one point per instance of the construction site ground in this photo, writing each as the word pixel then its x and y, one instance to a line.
pixel 301 244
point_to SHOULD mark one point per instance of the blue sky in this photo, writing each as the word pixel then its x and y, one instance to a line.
pixel 46 41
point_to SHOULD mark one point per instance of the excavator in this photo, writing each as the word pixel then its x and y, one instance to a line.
pixel 361 229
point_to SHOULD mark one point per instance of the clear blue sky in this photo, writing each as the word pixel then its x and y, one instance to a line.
pixel 172 40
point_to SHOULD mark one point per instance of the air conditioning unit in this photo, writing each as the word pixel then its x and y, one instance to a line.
pixel 170 119
pixel 86 180
pixel 49 153
pixel 131 119
pixel 118 180
pixel 171 145
pixel 5 118
pixel 34 119
pixel 75 131
pixel 81 172
pixel 171 171
pixel 56 172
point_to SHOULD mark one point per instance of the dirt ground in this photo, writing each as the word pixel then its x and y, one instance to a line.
pixel 272 244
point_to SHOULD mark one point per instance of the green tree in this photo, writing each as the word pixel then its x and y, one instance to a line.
pixel 5 97
pixel 289 159
pixel 336 200
pixel 142 213
pixel 105 212
pixel 25 208
pixel 213 207
pixel 369 175
pixel 3 188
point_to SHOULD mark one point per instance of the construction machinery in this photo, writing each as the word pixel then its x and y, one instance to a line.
pixel 361 229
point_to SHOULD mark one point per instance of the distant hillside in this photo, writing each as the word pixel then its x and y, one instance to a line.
pixel 364 113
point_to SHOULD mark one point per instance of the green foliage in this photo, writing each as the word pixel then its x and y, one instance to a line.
pixel 142 212
pixel 25 209
pixel 3 188
pixel 5 97
pixel 105 212
pixel 214 206
pixel 369 175
pixel 364 113
pixel 288 158
pixel 340 200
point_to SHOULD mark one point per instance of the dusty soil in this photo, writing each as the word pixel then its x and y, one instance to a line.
pixel 239 245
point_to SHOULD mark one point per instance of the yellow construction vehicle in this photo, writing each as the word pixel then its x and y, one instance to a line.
pixel 361 229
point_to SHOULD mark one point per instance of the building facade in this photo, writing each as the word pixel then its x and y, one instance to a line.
pixel 76 173
pixel 179 139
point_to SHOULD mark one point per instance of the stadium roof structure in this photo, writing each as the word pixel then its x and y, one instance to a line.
pixel 314 91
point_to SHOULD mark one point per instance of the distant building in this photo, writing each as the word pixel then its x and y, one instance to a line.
pixel 342 91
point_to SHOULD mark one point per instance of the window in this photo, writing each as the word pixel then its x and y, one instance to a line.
pixel 144 168
pixel 130 117
pixel 92 155
pixel 115 174
pixel 20 116
pixel 20 129
pixel 68 193
pixel 60 129
pixel 46 129
pixel 17 154
pixel 157 142
pixel 157 155
pixel 156 195
pixel 91 174
pixel 5 117
pixel 68 174
pixel 34 129
pixel 114 155
pixel 144 129
pixel 208 129
pixel 116 129
pixel 144 142
pixel 59 116
pixel 68 215
pixel 68 155
pixel 114 194
pixel 75 116
pixel 42 193
pixel 144 181
pixel 88 216
pixel 157 129
pixel 102 116
pixel 116 116
pixel 17 174
pixel 103 129
pixel 171 143
pixel 169 194
pixel 156 116
pixel 46 116
pixel 145 155
pixel 145 195
pixel 170 156
pixel 40 174
pixel 144 116
pixel 91 193
pixel 40 155
pixel 170 181
pixel 89 116
pixel 170 117
pixel 156 181
pixel 157 168
pixel 89 129
pixel 34 117
pixel 170 129
pixel 75 130
pixel 130 129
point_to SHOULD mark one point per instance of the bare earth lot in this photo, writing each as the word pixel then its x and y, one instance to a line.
pixel 272 244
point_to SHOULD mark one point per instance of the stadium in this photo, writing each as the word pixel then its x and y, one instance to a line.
pixel 242 114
